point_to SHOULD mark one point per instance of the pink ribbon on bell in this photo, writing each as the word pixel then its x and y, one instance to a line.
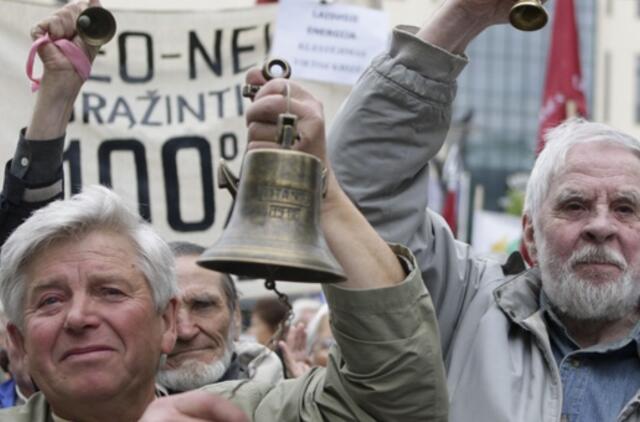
pixel 74 53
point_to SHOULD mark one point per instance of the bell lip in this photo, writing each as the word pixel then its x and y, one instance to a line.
pixel 522 25
pixel 330 275
pixel 98 42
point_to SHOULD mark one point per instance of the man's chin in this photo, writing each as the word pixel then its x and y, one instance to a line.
pixel 192 374
pixel 598 274
pixel 191 358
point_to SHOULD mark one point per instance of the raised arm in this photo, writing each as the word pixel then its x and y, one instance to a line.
pixel 378 316
pixel 393 123
pixel 34 177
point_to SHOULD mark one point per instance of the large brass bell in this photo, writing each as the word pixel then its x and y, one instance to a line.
pixel 528 15
pixel 96 26
pixel 274 230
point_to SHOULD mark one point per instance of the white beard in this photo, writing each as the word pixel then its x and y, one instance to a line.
pixel 193 374
pixel 581 299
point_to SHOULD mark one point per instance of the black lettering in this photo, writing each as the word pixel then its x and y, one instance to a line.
pixel 142 175
pixel 89 107
pixel 153 98
pixel 228 146
pixel 220 97
pixel 195 44
pixel 239 100
pixel 168 108
pixel 121 108
pixel 237 49
pixel 122 48
pixel 172 185
pixel 72 156
pixel 267 38
pixel 183 105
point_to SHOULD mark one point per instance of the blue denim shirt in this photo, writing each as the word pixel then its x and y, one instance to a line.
pixel 597 381
pixel 8 396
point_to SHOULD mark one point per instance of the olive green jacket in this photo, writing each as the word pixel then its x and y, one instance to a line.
pixel 387 365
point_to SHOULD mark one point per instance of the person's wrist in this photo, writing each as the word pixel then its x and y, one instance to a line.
pixel 60 87
pixel 334 197
pixel 452 27
pixel 54 106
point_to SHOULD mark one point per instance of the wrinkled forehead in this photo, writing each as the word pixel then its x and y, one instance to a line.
pixel 95 255
pixel 612 169
pixel 196 280
pixel 600 158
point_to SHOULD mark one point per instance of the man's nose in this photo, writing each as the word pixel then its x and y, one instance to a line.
pixel 187 328
pixel 81 314
pixel 601 226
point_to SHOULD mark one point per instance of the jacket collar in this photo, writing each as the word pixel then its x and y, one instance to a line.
pixel 519 296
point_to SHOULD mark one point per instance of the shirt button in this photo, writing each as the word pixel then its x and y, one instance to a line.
pixel 24 161
pixel 564 418
pixel 575 363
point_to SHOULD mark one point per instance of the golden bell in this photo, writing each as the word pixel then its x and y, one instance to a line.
pixel 528 15
pixel 273 231
pixel 96 26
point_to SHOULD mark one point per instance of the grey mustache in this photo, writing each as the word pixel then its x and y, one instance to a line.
pixel 597 255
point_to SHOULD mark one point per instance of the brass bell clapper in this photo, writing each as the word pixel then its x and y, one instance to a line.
pixel 528 15
pixel 273 232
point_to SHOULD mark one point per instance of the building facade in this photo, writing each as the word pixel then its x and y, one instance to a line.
pixel 617 100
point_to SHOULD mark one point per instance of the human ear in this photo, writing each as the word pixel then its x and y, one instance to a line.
pixel 16 337
pixel 169 327
pixel 528 236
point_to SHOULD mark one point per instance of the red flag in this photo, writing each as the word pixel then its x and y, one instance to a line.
pixel 450 210
pixel 563 95
pixel 451 172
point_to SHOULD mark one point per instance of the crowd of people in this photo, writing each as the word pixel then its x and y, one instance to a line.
pixel 107 321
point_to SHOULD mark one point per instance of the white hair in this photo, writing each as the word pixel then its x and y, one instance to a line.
pixel 300 306
pixel 96 208
pixel 553 156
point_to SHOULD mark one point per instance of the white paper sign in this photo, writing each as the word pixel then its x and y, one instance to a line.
pixel 329 42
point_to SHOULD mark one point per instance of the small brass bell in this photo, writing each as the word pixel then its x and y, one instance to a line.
pixel 528 15
pixel 96 26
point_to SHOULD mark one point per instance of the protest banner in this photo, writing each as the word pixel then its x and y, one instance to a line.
pixel 162 106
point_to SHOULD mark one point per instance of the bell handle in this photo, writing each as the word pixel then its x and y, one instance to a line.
pixel 227 180
pixel 272 68
pixel 276 67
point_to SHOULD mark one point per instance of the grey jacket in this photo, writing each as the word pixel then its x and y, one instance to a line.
pixel 499 363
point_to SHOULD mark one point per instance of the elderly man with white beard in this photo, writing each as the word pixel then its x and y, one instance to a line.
pixel 205 351
pixel 557 342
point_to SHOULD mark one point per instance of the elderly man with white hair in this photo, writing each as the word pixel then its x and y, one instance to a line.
pixel 559 342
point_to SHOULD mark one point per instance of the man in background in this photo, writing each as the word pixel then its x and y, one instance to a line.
pixel 206 350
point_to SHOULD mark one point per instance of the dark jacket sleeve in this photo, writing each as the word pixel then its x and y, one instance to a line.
pixel 32 179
